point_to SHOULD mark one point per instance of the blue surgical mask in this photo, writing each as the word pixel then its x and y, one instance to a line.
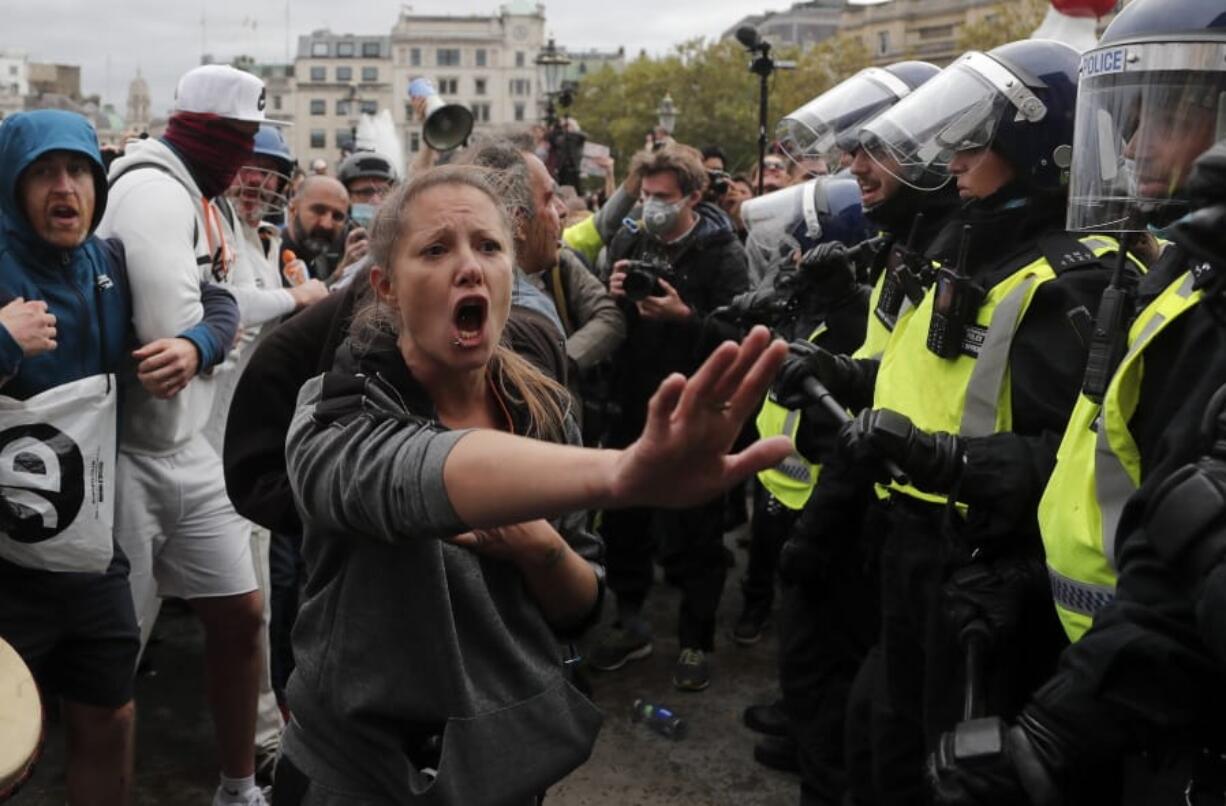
pixel 362 214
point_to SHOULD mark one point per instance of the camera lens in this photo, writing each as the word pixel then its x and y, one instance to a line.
pixel 637 285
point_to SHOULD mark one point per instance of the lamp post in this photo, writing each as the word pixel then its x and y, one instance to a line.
pixel 551 62
pixel 352 107
pixel 667 113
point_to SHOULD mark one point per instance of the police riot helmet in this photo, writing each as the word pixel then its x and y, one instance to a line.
pixel 831 120
pixel 270 142
pixel 799 217
pixel 363 164
pixel 1017 99
pixel 1152 98
pixel 263 190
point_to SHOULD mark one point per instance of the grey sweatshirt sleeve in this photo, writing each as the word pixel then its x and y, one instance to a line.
pixel 369 471
pixel 609 217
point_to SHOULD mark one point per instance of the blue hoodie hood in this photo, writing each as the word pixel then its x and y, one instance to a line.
pixel 26 136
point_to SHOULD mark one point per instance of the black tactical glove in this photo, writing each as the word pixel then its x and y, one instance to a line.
pixel 806 360
pixel 1186 518
pixel 962 774
pixel 932 462
pixel 995 594
pixel 830 269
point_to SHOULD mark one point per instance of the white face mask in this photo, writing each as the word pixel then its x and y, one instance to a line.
pixel 660 217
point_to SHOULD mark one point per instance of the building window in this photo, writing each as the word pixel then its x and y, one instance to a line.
pixel 342 108
pixel 448 57
pixel 319 48
pixel 344 138
pixel 883 42
pixel 370 74
pixel 481 113
pixel 521 86
pixel 344 49
pixel 414 57
pixel 414 142
pixel 519 112
pixel 13 67
pixel 319 138
pixel 479 86
pixel 936 32
pixel 519 58
pixel 370 107
pixel 344 74
pixel 319 74
pixel 276 103
pixel 480 58
pixel 319 106
pixel 370 50
pixel 448 86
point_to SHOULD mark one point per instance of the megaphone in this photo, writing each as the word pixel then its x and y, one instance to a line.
pixel 447 125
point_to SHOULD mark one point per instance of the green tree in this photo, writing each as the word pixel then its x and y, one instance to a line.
pixel 1013 20
pixel 714 90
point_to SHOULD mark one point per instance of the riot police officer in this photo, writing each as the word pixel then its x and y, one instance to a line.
pixel 973 388
pixel 1134 714
pixel 828 613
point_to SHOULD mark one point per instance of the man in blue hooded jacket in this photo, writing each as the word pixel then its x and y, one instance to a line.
pixel 66 333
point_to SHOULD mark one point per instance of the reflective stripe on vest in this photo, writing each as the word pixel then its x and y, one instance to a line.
pixel 792 480
pixel 1098 468
pixel 966 395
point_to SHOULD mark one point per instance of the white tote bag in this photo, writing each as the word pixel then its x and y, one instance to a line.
pixel 57 477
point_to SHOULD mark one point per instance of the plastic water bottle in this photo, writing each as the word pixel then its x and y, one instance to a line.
pixel 659 719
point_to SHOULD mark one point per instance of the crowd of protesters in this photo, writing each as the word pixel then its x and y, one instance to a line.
pixel 400 437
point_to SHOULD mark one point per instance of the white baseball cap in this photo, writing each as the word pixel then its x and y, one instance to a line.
pixel 218 89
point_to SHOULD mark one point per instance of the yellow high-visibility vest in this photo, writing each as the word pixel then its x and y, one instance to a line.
pixel 791 481
pixel 1098 468
pixel 969 395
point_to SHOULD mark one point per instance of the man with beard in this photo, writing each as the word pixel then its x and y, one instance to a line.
pixel 317 216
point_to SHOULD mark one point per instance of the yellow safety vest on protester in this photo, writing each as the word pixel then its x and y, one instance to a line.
pixel 792 480
pixel 969 395
pixel 1098 468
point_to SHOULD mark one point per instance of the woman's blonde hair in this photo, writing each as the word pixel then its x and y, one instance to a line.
pixel 517 381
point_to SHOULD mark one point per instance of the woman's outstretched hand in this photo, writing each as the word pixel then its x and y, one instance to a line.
pixel 681 459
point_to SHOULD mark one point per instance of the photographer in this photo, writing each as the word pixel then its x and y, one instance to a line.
pixel 703 267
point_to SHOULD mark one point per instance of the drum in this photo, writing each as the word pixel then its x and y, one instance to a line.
pixel 21 722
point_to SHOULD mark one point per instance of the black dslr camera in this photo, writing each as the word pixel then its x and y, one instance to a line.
pixel 718 183
pixel 642 278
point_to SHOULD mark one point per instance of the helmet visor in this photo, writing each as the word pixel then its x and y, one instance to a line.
pixel 821 126
pixel 259 193
pixel 958 110
pixel 769 223
pixel 1144 114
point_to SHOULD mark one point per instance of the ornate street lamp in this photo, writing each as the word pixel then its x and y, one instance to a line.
pixel 667 113
pixel 551 62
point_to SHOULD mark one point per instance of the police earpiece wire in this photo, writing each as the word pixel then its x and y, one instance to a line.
pixel 1109 340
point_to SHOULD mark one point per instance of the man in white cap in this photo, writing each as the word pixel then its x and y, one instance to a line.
pixel 173 518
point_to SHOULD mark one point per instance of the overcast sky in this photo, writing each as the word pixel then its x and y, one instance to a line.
pixel 111 39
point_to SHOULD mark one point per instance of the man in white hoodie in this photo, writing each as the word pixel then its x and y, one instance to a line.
pixel 173 518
